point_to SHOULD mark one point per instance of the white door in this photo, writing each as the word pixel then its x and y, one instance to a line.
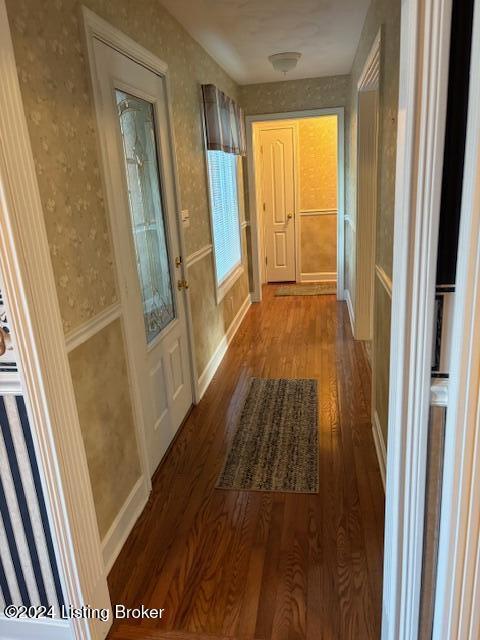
pixel 277 151
pixel 134 116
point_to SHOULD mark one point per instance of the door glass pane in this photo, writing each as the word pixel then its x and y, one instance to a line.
pixel 137 124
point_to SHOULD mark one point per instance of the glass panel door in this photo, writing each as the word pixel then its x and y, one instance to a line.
pixel 137 125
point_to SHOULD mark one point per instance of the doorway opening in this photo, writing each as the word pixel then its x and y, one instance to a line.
pixel 296 190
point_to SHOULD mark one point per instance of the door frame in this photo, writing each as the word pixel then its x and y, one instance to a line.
pixel 423 86
pixel 99 29
pixel 365 269
pixel 257 250
pixel 458 578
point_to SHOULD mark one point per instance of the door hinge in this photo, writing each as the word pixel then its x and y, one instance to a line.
pixel 264 206
pixel 182 284
pixel 266 260
pixel 178 261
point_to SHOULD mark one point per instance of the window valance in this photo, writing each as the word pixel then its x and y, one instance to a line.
pixel 224 122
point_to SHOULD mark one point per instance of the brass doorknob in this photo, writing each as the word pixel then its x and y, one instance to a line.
pixel 290 216
pixel 182 284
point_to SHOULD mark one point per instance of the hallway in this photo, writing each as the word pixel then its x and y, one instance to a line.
pixel 265 566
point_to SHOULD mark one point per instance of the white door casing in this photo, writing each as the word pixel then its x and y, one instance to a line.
pixel 278 177
pixel 160 357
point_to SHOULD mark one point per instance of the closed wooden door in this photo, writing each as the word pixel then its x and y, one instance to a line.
pixel 134 115
pixel 277 154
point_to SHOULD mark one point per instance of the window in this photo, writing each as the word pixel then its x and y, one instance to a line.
pixel 222 171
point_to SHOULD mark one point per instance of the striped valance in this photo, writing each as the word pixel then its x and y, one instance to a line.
pixel 224 123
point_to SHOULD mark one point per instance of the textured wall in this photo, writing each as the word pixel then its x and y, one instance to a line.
pixel 54 80
pixel 317 138
pixel 319 244
pixel 106 419
pixel 385 14
pixel 295 95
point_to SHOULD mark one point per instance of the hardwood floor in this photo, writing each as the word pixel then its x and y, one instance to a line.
pixel 265 566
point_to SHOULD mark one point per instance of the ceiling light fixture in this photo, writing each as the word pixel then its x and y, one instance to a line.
pixel 285 62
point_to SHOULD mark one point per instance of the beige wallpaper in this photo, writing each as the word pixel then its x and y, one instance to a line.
pixel 384 14
pixel 54 80
pixel 106 420
pixel 317 138
pixel 295 95
pixel 319 244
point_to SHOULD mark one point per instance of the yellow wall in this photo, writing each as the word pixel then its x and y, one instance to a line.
pixel 318 162
pixel 55 85
pixel 318 191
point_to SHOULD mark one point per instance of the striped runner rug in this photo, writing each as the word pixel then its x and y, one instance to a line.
pixel 275 447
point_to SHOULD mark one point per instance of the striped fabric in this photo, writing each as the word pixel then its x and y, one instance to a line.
pixel 28 568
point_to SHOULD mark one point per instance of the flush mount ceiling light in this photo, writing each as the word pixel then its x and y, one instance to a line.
pixel 285 62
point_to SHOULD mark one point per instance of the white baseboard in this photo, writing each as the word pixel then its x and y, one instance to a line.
pixel 124 522
pixel 217 357
pixel 380 447
pixel 40 629
pixel 321 276
pixel 351 313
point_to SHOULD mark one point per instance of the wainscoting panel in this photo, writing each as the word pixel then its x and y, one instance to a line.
pixel 29 572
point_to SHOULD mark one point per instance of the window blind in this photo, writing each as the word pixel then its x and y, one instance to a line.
pixel 222 171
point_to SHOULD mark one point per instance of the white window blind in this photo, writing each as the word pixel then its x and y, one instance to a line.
pixel 222 171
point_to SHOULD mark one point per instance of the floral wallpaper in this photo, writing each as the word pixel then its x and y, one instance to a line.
pixel 54 80
pixel 295 95
pixel 55 85
pixel 317 150
pixel 384 14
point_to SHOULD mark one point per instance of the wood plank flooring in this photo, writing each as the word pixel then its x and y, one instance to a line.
pixel 229 565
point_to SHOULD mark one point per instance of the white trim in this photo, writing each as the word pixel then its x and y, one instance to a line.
pixel 351 313
pixel 115 38
pixel 318 212
pixel 384 279
pixel 458 579
pixel 380 447
pixel 325 276
pixel 30 290
pixel 227 283
pixel 124 522
pixel 369 77
pixel 439 392
pixel 40 629
pixel 351 222
pixel 424 56
pixel 88 329
pixel 198 255
pixel 217 357
pixel 252 191
pixel 10 383
pixel 366 175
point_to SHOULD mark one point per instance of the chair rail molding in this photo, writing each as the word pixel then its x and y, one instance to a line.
pixel 199 255
pixel 88 329
pixel 30 289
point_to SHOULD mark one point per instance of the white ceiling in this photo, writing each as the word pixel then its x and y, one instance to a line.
pixel 241 34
